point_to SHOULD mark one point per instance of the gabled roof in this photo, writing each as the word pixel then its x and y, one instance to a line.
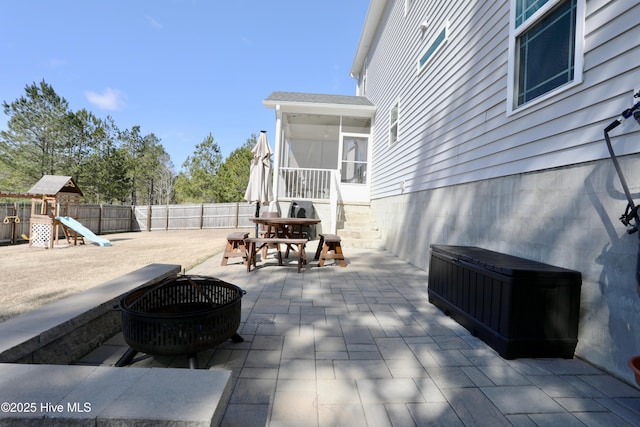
pixel 316 98
pixel 320 103
pixel 50 185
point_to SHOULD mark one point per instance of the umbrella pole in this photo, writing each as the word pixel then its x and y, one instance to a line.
pixel 257 216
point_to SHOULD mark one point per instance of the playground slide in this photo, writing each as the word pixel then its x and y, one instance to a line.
pixel 81 229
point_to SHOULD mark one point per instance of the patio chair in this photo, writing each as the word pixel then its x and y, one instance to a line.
pixel 303 209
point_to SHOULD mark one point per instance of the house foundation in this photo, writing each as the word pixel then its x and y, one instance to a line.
pixel 566 217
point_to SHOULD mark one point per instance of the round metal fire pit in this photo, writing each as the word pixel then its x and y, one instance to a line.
pixel 183 315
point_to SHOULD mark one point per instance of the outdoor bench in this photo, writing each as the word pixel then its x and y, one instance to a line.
pixel 254 244
pixel 329 248
pixel 235 247
pixel 82 395
pixel 519 307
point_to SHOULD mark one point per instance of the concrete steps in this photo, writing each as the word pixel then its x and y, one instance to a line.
pixel 358 229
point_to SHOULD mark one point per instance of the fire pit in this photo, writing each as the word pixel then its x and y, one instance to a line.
pixel 182 315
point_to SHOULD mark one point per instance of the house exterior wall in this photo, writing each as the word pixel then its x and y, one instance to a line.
pixel 537 183
pixel 454 127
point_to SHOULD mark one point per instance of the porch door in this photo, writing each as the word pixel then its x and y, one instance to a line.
pixel 354 167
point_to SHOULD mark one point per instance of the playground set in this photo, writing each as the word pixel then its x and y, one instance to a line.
pixel 55 202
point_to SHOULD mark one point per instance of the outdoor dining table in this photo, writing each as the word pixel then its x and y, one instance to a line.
pixel 285 227
pixel 282 228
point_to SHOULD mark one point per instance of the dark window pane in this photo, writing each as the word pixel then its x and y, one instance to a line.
pixel 526 8
pixel 546 53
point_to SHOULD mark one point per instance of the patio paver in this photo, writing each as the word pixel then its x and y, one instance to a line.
pixel 362 346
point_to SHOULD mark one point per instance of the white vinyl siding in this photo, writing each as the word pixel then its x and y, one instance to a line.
pixel 455 126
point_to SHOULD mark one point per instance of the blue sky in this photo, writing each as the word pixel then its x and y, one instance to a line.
pixel 180 69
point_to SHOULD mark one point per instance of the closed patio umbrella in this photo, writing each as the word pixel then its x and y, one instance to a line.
pixel 259 187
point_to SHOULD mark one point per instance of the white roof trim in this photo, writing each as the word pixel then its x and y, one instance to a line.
pixel 376 8
pixel 321 108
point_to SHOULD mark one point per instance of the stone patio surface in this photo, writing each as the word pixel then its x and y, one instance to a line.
pixel 362 346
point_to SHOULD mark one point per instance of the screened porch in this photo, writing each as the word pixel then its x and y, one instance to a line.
pixel 322 148
pixel 320 154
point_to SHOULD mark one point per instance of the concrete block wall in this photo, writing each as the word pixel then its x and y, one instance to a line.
pixel 566 217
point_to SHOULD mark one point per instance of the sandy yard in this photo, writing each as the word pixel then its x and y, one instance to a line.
pixel 32 277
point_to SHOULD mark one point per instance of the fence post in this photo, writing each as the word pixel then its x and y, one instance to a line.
pixel 166 222
pixel 14 227
pixel 201 216
pixel 100 215
pixel 237 214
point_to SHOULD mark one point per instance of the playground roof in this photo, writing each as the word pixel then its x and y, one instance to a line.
pixel 50 185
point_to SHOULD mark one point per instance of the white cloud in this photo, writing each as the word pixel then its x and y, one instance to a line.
pixel 155 24
pixel 55 62
pixel 109 99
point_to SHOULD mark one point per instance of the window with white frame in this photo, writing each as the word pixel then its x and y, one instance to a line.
pixel 545 48
pixel 407 6
pixel 434 45
pixel 393 124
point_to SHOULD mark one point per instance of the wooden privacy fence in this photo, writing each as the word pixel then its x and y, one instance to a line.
pixel 194 217
pixel 107 219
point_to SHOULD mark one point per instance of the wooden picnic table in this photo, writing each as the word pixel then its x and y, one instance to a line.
pixel 281 230
pixel 285 227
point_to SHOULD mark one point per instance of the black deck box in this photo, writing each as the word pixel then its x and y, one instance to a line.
pixel 519 307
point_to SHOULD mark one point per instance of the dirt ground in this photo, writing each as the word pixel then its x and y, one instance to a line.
pixel 32 277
